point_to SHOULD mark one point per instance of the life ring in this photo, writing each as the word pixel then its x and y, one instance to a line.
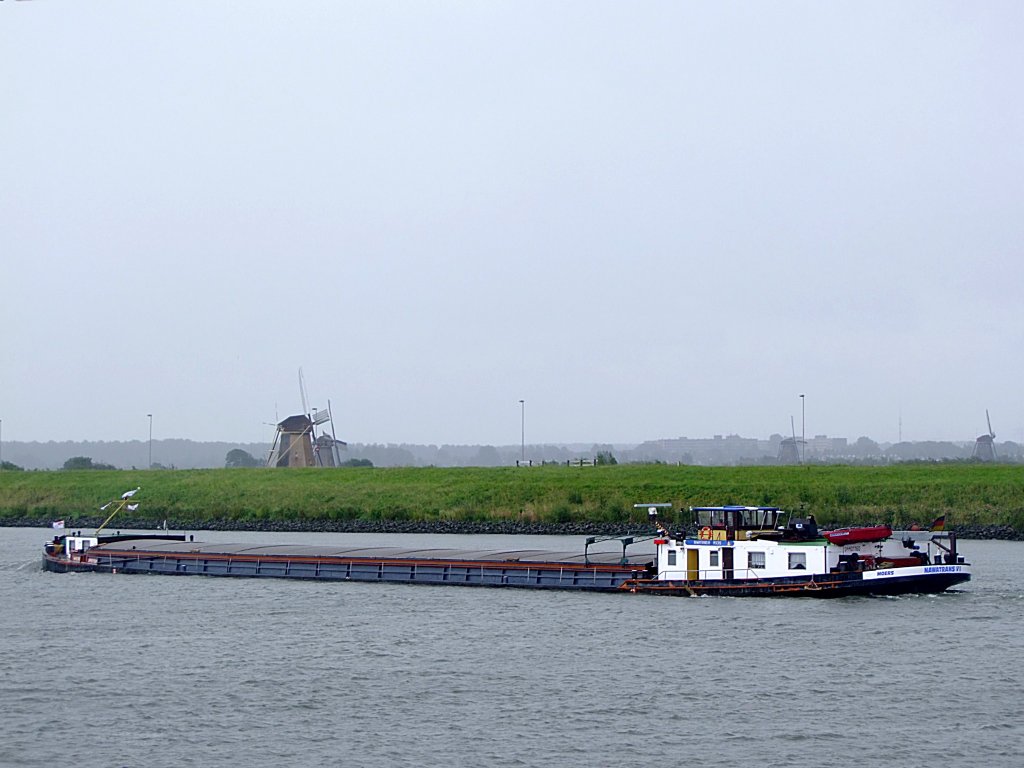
pixel 705 532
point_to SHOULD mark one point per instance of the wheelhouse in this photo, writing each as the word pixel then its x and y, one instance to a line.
pixel 725 522
pixel 742 542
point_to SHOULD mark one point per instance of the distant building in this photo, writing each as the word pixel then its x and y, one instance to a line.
pixel 823 446
pixel 729 449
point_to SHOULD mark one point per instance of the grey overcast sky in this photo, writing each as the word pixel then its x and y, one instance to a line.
pixel 646 219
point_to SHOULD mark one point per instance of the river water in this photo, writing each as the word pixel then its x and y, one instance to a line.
pixel 104 670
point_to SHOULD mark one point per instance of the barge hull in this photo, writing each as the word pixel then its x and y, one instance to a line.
pixel 833 585
pixel 535 575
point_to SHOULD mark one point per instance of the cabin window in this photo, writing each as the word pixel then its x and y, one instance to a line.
pixel 713 558
pixel 755 560
pixel 671 557
pixel 797 561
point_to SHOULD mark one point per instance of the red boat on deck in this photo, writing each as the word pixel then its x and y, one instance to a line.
pixel 858 535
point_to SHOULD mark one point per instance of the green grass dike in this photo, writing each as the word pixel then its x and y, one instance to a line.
pixel 976 499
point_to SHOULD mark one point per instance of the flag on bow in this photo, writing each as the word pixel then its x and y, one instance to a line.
pixel 939 524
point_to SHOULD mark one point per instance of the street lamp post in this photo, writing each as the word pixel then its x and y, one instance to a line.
pixel 803 430
pixel 150 415
pixel 522 434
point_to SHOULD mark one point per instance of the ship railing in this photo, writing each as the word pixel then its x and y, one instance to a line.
pixel 750 573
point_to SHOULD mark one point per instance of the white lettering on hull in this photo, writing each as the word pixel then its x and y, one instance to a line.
pixel 920 570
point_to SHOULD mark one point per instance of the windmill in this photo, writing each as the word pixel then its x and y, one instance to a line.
pixel 985 445
pixel 789 448
pixel 297 443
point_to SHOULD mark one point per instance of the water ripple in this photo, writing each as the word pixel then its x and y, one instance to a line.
pixel 158 671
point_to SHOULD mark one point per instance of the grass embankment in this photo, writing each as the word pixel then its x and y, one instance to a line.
pixel 968 494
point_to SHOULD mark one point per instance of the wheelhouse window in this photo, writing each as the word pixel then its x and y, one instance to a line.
pixel 671 557
pixel 797 561
pixel 756 560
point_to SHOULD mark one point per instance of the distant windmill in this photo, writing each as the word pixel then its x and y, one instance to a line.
pixel 297 444
pixel 985 445
pixel 789 448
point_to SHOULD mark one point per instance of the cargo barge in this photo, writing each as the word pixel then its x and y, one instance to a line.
pixel 735 551
pixel 512 568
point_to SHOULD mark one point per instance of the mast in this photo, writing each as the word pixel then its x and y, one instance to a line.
pixel 119 504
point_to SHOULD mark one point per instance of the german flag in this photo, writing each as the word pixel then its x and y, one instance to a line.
pixel 939 524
